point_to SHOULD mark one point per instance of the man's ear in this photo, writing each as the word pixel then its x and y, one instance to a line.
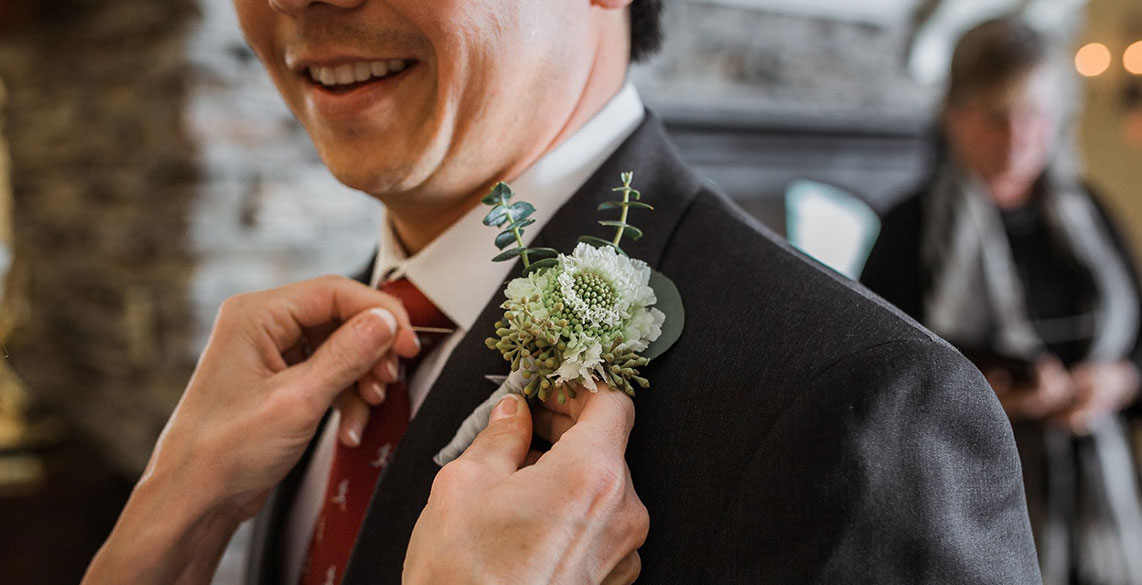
pixel 611 4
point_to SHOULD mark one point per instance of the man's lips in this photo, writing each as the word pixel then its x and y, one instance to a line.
pixel 346 77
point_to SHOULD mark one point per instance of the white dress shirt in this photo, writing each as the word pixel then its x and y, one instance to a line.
pixel 456 273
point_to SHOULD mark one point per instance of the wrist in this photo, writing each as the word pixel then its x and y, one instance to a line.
pixel 167 532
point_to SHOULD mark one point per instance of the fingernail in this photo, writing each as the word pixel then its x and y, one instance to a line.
pixel 506 408
pixel 354 437
pixel 392 368
pixel 387 317
pixel 379 391
pixel 416 338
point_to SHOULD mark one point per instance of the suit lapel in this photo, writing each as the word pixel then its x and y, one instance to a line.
pixel 403 489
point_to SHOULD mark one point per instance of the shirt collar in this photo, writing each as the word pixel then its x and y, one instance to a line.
pixel 455 271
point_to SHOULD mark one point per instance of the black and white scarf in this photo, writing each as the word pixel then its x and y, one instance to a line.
pixel 977 300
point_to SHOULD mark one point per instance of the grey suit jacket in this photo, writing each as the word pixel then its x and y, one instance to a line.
pixel 801 431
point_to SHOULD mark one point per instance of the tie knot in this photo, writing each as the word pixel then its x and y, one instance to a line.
pixel 421 311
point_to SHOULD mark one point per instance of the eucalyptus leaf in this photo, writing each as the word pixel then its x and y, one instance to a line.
pixel 496 217
pixel 520 224
pixel 621 204
pixel 505 239
pixel 670 303
pixel 508 255
pixel 541 264
pixel 500 194
pixel 541 253
pixel 628 229
pixel 521 210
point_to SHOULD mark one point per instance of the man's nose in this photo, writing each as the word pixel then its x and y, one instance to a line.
pixel 297 7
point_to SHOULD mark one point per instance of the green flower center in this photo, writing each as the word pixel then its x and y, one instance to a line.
pixel 595 290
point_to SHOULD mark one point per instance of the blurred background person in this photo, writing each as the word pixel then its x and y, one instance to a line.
pixel 1006 254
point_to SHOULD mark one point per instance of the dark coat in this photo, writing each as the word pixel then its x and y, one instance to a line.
pixel 895 271
pixel 801 431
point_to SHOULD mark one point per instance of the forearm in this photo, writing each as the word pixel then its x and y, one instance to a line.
pixel 164 535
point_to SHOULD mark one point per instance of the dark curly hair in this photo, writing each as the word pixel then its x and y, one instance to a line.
pixel 645 28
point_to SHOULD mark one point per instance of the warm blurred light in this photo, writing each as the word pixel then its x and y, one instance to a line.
pixel 1093 59
pixel 1132 58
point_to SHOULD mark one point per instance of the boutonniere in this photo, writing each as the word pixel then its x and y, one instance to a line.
pixel 574 320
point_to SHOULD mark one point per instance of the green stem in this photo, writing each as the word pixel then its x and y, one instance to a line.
pixel 626 208
pixel 517 234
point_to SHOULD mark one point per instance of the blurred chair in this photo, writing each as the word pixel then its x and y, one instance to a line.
pixel 830 224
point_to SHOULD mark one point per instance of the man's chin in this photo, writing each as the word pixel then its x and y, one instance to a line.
pixel 379 183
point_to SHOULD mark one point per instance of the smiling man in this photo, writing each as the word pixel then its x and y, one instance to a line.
pixel 424 104
pixel 799 431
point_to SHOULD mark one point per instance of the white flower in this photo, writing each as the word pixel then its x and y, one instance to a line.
pixel 530 292
pixel 562 322
pixel 582 359
pixel 602 287
pixel 644 327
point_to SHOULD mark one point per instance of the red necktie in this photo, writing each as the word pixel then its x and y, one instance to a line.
pixel 355 471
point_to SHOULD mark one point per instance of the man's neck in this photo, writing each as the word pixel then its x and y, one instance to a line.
pixel 416 228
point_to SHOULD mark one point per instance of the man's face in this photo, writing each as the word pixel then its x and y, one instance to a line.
pixel 1008 132
pixel 431 97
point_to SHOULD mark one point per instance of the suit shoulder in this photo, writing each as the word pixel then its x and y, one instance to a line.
pixel 718 251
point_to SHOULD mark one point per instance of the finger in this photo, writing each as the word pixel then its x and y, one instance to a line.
pixel 297 353
pixel 604 419
pixel 312 338
pixel 531 458
pixel 550 425
pixel 388 369
pixel 503 445
pixel 576 400
pixel 346 356
pixel 626 572
pixel 354 417
pixel 371 390
pixel 640 517
pixel 316 302
pixel 570 397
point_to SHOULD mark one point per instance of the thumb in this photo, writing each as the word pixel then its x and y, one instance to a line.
pixel 502 446
pixel 348 353
pixel 606 419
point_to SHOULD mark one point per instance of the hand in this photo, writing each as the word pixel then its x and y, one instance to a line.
pixel 1101 389
pixel 1051 391
pixel 571 518
pixel 247 413
pixel 253 404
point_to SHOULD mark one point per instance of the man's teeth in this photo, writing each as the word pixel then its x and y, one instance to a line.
pixel 356 72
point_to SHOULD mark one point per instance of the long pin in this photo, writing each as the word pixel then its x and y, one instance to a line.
pixel 432 330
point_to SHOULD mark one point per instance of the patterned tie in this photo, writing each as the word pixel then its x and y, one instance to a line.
pixel 355 471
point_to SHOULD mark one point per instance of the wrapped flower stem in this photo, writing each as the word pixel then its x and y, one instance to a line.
pixel 478 420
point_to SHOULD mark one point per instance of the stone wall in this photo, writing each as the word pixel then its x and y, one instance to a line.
pixel 730 57
pixel 103 177
pixel 155 172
